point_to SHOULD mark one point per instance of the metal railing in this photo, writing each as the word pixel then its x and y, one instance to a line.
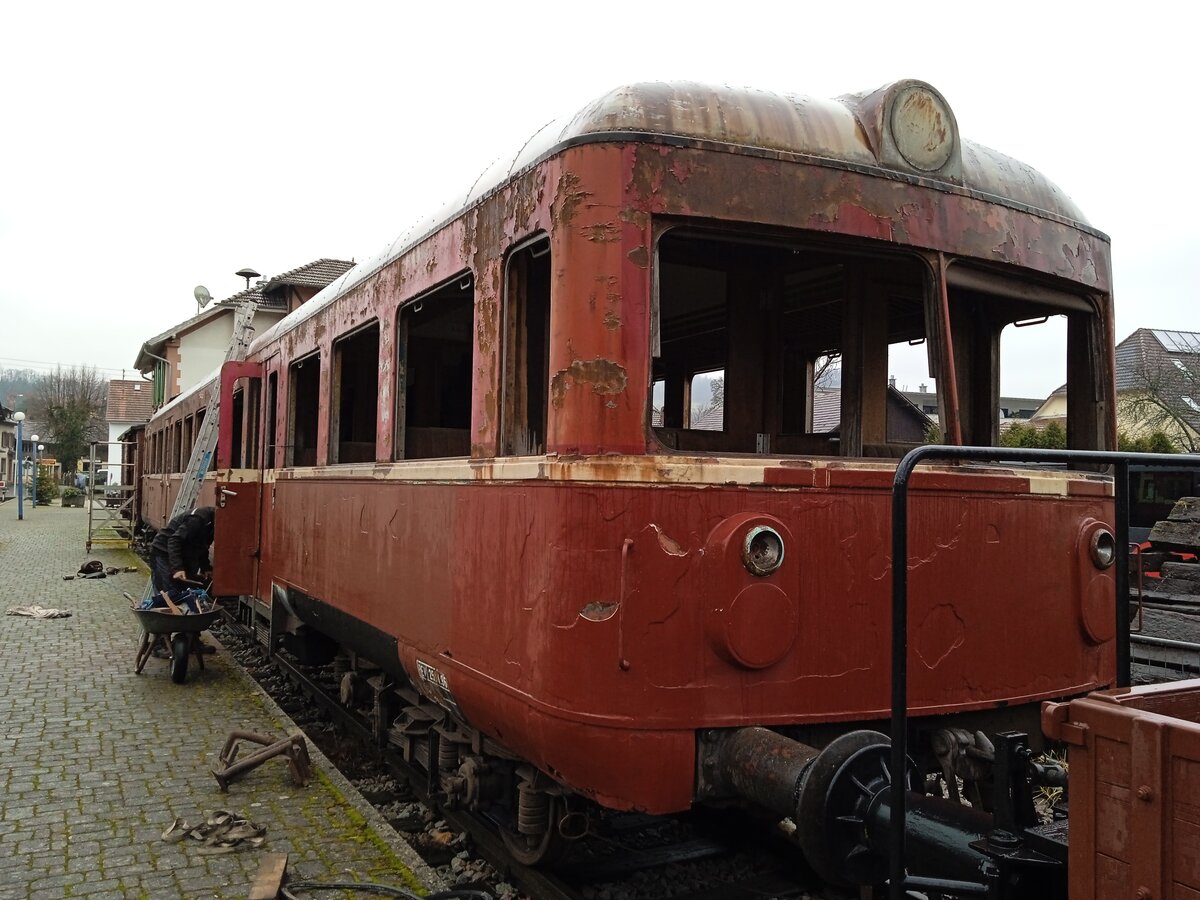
pixel 898 880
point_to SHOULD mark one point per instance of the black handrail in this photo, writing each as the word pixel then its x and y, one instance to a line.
pixel 1120 462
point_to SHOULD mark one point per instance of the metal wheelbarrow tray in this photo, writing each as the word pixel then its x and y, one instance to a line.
pixel 177 633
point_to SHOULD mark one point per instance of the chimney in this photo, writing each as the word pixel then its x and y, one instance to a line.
pixel 923 388
pixel 892 382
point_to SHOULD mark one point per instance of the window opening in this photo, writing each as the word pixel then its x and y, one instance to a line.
pixel 706 393
pixel 352 425
pixel 303 405
pixel 188 424
pixel 434 347
pixel 526 349
pixel 766 346
pixel 253 426
pixel 1023 348
pixel 238 414
pixel 272 419
pixel 176 446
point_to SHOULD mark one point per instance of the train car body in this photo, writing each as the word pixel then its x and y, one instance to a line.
pixel 475 459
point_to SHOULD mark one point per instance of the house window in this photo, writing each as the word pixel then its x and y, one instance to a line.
pixel 526 349
pixel 303 406
pixel 433 373
pixel 355 396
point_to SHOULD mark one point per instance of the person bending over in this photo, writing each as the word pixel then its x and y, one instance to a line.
pixel 179 552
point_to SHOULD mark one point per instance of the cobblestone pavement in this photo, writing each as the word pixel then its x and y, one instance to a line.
pixel 96 762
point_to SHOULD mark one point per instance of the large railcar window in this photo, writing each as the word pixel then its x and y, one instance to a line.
pixel 769 347
pixel 999 325
pixel 526 349
pixel 355 396
pixel 433 373
pixel 303 404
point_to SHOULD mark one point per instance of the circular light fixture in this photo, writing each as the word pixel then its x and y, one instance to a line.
pixel 762 550
pixel 922 128
pixel 1104 548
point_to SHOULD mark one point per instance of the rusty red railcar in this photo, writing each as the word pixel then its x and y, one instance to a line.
pixel 478 461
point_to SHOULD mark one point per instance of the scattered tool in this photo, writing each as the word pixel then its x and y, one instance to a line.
pixel 293 747
pixel 221 831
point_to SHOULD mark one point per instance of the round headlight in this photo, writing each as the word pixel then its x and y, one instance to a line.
pixel 762 550
pixel 1104 548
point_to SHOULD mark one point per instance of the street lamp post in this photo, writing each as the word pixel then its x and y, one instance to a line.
pixel 20 420
pixel 34 438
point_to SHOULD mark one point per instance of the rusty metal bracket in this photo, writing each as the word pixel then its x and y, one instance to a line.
pixel 294 748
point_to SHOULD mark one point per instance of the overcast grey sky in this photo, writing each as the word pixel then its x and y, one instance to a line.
pixel 151 147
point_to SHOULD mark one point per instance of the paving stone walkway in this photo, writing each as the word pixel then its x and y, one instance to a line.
pixel 96 762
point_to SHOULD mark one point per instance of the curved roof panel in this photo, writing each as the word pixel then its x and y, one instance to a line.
pixel 904 131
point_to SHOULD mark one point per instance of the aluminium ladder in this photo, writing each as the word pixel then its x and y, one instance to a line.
pixel 206 438
pixel 205 444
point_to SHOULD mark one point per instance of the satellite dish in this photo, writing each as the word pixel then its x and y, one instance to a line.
pixel 203 297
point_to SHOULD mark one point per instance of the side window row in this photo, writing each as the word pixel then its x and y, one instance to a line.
pixel 433 364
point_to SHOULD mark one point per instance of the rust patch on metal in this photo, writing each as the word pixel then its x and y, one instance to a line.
pixel 646 179
pixel 523 199
pixel 612 321
pixel 640 257
pixel 601 232
pixel 567 198
pixel 606 378
pixel 635 217
pixel 597 611
pixel 488 325
pixel 682 170
pixel 669 545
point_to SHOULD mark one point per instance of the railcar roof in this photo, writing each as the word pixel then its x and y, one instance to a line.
pixel 847 132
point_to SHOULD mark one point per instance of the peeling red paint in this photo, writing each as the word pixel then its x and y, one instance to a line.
pixel 606 378
pixel 567 198
pixel 640 257
pixel 603 232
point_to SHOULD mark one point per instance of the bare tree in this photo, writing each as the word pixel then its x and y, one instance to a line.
pixel 71 404
pixel 1163 394
pixel 16 387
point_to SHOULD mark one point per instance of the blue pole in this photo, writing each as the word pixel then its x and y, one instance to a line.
pixel 20 474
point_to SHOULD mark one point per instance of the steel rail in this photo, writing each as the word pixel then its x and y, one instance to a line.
pixel 898 880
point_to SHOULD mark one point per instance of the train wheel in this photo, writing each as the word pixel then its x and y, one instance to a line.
pixel 181 646
pixel 543 848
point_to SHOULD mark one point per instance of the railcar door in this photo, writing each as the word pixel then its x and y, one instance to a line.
pixel 239 485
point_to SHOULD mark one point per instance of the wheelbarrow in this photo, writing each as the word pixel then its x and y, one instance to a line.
pixel 177 634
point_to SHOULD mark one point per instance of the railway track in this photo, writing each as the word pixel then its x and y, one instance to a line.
pixel 700 856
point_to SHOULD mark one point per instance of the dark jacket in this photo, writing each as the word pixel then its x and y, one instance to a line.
pixel 185 540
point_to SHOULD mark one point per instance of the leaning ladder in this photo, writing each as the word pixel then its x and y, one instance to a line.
pixel 205 444
pixel 206 437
